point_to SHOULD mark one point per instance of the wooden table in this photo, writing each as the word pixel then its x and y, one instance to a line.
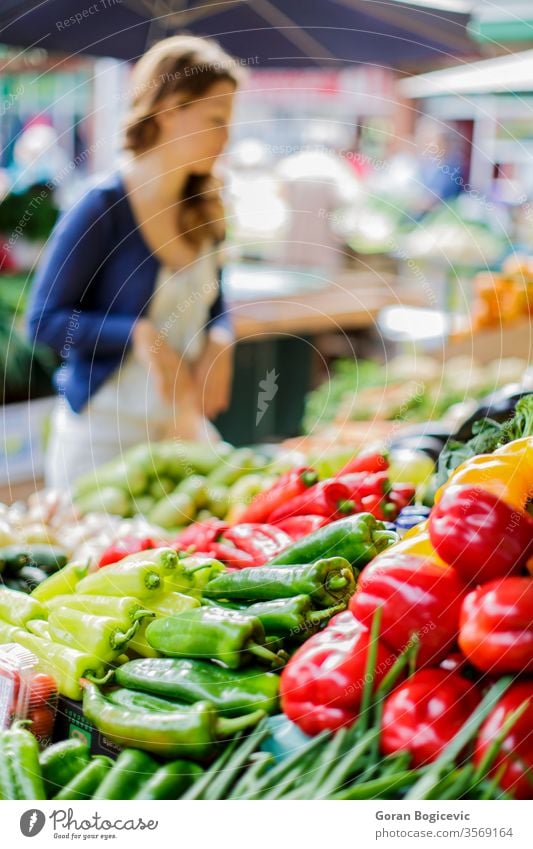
pixel 349 302
pixel 277 328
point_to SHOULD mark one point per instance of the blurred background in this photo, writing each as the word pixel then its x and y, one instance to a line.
pixel 378 187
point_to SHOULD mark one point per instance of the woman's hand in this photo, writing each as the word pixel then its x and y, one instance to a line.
pixel 173 378
pixel 213 373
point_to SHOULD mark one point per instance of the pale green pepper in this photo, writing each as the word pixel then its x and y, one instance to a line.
pixel 18 608
pixel 101 636
pixel 126 608
pixel 64 664
pixel 127 577
pixel 63 582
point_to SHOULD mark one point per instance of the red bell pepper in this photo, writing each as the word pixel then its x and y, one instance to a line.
pixel 288 486
pixel 300 526
pixel 372 461
pixel 200 535
pixel 327 498
pixel 516 750
pixel 360 484
pixel 417 597
pixel 479 535
pixel 496 628
pixel 230 555
pixel 424 713
pixel 261 541
pixel 322 685
pixel 379 507
pixel 402 494
pixel 127 545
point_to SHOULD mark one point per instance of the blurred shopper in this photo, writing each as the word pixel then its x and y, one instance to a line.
pixel 128 292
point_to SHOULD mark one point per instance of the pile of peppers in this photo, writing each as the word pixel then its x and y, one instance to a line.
pixel 454 598
pixel 296 505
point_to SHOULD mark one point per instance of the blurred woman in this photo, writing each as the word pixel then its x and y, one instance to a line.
pixel 128 293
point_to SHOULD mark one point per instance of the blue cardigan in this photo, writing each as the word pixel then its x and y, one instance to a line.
pixel 95 280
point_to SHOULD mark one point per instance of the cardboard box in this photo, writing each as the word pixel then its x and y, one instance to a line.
pixel 70 722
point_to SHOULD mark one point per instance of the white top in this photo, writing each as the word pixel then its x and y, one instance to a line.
pixel 179 308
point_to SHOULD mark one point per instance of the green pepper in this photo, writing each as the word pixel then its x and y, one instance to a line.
pixel 195 486
pixel 218 500
pixel 193 457
pixel 18 608
pixel 20 751
pixel 138 578
pixel 101 636
pixel 39 627
pixel 49 558
pixel 170 781
pixel 170 603
pixel 231 691
pixel 107 499
pixel 139 643
pixel 192 574
pixel 160 488
pixel 174 510
pixel 291 617
pixel 328 582
pixel 213 633
pixel 165 558
pixel 61 762
pixel 118 473
pixel 358 538
pixel 86 782
pixel 64 664
pixel 8 787
pixel 190 732
pixel 134 700
pixel 63 582
pixel 126 608
pixel 131 769
pixel 13 557
pixel 31 577
pixel 240 462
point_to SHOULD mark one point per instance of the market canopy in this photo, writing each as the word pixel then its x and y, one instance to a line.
pixel 274 32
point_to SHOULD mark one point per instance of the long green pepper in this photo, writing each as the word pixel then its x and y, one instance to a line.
pixel 131 769
pixel 357 538
pixel 294 618
pixel 190 732
pixel 231 691
pixel 102 636
pixel 212 633
pixel 327 582
pixel 86 782
pixel 19 753
pixel 61 762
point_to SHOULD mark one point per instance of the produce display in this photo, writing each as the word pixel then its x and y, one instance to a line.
pixel 327 638
pixel 173 483
pixel 413 389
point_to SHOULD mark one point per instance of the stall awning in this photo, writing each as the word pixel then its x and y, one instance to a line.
pixel 503 74
pixel 279 32
pixel 501 22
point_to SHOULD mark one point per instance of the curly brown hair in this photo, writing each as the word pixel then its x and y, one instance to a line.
pixel 187 66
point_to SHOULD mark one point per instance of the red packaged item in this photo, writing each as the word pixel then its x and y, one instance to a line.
pixel 127 545
pixel 26 693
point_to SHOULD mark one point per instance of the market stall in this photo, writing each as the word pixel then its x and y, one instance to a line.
pixel 323 589
pixel 252 633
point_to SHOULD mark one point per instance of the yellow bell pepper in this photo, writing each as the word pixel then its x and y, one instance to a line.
pixel 507 473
